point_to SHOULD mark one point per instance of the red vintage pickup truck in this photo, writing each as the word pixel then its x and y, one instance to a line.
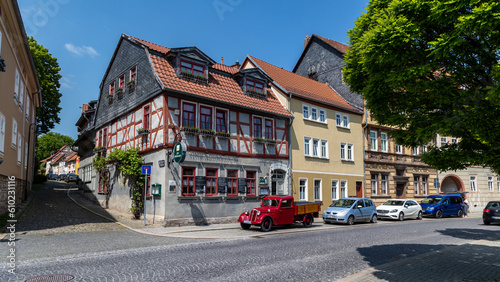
pixel 280 210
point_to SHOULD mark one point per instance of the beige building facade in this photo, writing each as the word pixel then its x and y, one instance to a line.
pixel 20 97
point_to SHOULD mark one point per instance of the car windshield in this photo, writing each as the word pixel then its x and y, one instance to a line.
pixel 393 203
pixel 432 200
pixel 493 205
pixel 270 203
pixel 343 203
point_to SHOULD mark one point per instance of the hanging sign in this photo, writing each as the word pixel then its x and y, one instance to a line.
pixel 179 152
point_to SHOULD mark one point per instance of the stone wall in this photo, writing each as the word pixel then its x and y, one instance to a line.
pixel 4 188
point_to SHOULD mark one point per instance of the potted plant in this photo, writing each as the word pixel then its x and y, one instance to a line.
pixel 131 84
pixel 208 132
pixel 119 91
pixel 190 129
pixel 142 131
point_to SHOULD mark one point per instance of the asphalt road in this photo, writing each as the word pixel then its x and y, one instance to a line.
pixel 104 252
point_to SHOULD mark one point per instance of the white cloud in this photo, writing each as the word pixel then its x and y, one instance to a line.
pixel 66 82
pixel 80 51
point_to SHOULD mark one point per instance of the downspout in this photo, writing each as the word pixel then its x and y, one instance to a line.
pixel 290 176
pixel 364 147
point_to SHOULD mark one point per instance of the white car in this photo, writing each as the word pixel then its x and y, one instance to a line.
pixel 399 209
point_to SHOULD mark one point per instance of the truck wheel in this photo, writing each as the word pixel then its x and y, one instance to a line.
pixel 308 221
pixel 266 224
pixel 245 226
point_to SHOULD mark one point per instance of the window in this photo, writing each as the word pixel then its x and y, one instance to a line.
pixel 303 190
pixel 121 82
pixel 221 121
pixel 251 180
pixel 345 121
pixel 498 184
pixel 147 114
pixel 343 188
pixel 0 41
pixel 315 147
pixel 232 183
pixel 346 153
pixel 444 140
pixel 424 185
pixel 112 88
pixel 104 137
pixel 307 150
pixel 383 184
pixel 16 86
pixel 338 119
pixel 257 127
pixel 342 151
pixel 335 187
pixel 211 182
pixel 324 147
pixel 424 148
pixel 269 129
pixel 188 181
pixel 383 142
pixel 314 113
pixel 490 183
pixel 454 141
pixel 19 149
pixel 28 108
pixel 373 140
pixel 399 149
pixel 416 184
pixel 21 95
pixel 313 76
pixel 188 115
pixel 205 118
pixel 2 134
pixel 349 152
pixel 14 133
pixel 99 139
pixel 192 68
pixel 322 115
pixel 317 189
pixel 255 86
pixel 374 184
pixel 415 151
pixel 305 111
pixel 133 74
pixel 342 120
pixel 473 186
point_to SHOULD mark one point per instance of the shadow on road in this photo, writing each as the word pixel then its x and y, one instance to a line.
pixel 472 234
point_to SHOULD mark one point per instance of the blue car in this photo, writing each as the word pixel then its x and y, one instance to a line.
pixel 350 210
pixel 439 205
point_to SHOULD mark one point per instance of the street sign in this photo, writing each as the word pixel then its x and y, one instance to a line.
pixel 146 169
pixel 179 152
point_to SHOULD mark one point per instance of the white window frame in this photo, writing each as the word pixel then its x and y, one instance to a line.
pixel 490 183
pixel 315 147
pixel 443 140
pixel 345 121
pixel 424 148
pixel 383 142
pixel 399 149
pixel 21 95
pixel 343 189
pixel 16 86
pixel 324 149
pixel 338 119
pixel 373 141
pixel 473 183
pixel 318 190
pixel 454 140
pixel 322 115
pixel 25 154
pixel 416 152
pixel 303 189
pixel 383 184
pixel 424 185
pixel 498 184
pixel 27 108
pixel 0 42
pixel 343 151
pixel 306 112
pixel 19 149
pixel 314 114
pixel 3 124
pixel 350 152
pixel 307 146
pixel 335 189
pixel 416 184
pixel 346 152
pixel 14 133
pixel 374 183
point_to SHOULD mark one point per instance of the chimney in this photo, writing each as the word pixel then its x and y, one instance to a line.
pixel 306 40
pixel 221 60
pixel 85 107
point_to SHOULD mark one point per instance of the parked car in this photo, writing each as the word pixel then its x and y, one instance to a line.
pixel 491 212
pixel 399 209
pixel 52 176
pixel 70 177
pixel 439 205
pixel 350 210
pixel 62 177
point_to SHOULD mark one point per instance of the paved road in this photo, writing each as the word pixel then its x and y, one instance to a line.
pixel 92 249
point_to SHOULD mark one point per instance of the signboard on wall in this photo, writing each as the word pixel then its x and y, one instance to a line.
pixel 179 152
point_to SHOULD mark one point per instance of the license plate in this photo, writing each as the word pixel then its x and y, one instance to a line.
pixel 247 222
pixel 330 216
pixel 495 217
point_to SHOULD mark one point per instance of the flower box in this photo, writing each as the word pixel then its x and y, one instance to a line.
pixel 142 131
pixel 194 77
pixel 259 140
pixel 119 91
pixel 254 93
pixel 190 130
pixel 270 141
pixel 222 134
pixel 131 84
pixel 207 132
pixel 99 149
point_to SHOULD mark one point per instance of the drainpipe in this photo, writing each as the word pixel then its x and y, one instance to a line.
pixel 290 176
pixel 365 114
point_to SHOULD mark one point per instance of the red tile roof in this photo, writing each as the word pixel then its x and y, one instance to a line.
pixel 337 45
pixel 303 86
pixel 150 45
pixel 222 87
pixel 71 157
pixel 57 159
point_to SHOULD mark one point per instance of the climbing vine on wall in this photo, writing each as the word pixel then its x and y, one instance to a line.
pixel 129 163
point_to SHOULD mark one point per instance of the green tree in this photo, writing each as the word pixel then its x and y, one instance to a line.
pixel 48 74
pixel 49 143
pixel 430 67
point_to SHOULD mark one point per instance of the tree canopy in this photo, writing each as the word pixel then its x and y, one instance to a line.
pixel 48 69
pixel 49 143
pixel 428 67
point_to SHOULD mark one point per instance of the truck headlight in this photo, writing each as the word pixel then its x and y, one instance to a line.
pixel 258 213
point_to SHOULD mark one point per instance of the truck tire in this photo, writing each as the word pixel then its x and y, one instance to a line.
pixel 266 224
pixel 308 221
pixel 245 226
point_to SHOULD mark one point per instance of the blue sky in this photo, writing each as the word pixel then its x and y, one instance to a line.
pixel 83 35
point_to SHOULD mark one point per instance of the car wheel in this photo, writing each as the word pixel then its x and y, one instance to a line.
pixel 308 221
pixel 350 220
pixel 419 216
pixel 266 224
pixel 245 226
pixel 374 219
pixel 460 213
pixel 486 222
pixel 401 216
pixel 439 214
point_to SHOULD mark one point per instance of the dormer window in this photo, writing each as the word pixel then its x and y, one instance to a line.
pixel 192 68
pixel 121 82
pixel 112 88
pixel 133 74
pixel 255 86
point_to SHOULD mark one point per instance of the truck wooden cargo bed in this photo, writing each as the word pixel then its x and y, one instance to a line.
pixel 307 207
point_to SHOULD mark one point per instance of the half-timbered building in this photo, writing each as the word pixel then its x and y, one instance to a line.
pixel 231 125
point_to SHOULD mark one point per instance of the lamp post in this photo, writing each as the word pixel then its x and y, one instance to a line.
pixel 28 160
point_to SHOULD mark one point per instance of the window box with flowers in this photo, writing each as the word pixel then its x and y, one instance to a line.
pixel 119 91
pixel 131 85
pixel 190 130
pixel 195 77
pixel 207 132
pixel 142 131
pixel 270 141
pixel 222 134
pixel 256 93
pixel 99 149
pixel 259 140
pixel 109 97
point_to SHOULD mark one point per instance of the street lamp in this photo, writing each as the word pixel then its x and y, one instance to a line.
pixel 28 160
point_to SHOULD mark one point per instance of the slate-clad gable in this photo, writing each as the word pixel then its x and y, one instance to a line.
pixel 128 55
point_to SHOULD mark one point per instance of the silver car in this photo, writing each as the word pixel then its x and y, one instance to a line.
pixel 350 210
pixel 399 209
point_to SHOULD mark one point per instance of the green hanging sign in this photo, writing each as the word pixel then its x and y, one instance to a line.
pixel 179 152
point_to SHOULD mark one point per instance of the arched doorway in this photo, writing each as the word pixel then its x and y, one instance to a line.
pixel 452 184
